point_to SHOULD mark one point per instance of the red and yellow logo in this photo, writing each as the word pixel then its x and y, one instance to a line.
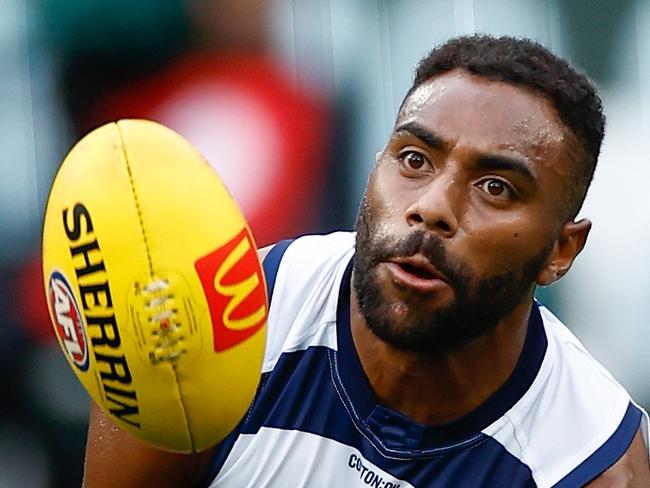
pixel 67 320
pixel 234 288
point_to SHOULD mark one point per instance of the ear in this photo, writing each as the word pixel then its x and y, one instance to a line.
pixel 571 240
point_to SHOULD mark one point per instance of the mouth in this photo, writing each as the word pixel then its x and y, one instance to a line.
pixel 416 273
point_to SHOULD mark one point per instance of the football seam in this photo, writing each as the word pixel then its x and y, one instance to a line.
pixel 151 271
pixel 135 198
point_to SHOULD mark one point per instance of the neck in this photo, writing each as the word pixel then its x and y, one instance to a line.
pixel 434 389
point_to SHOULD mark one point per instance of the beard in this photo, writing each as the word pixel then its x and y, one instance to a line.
pixel 479 303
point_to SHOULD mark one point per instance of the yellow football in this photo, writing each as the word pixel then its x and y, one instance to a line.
pixel 155 290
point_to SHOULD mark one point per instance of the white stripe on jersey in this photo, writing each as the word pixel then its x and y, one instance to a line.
pixel 305 297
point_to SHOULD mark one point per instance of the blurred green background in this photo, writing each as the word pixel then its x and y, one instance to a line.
pixel 316 85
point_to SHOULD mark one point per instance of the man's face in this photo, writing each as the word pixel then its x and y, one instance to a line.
pixel 460 213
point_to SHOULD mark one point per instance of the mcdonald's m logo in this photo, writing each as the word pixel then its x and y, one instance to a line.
pixel 233 284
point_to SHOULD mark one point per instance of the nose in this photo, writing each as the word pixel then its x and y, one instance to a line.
pixel 434 209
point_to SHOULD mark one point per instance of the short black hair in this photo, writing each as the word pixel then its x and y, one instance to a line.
pixel 526 63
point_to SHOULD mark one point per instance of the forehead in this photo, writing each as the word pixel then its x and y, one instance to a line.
pixel 487 115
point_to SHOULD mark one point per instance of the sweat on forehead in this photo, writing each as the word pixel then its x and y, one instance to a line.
pixel 457 103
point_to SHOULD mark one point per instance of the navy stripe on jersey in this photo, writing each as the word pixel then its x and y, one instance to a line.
pixel 607 454
pixel 272 263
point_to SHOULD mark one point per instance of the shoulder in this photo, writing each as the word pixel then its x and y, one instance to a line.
pixel 631 470
pixel 576 421
pixel 303 277
pixel 304 257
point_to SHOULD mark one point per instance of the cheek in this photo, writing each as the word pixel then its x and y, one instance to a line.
pixel 502 241
pixel 383 204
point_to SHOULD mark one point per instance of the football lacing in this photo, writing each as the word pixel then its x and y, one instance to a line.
pixel 168 338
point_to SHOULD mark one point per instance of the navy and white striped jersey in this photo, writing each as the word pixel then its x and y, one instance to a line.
pixel 559 420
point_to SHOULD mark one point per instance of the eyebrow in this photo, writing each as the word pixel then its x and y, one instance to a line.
pixel 427 136
pixel 516 165
pixel 484 162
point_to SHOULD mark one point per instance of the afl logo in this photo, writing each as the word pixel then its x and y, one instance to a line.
pixel 68 321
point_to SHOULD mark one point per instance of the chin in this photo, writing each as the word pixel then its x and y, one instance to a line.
pixel 407 327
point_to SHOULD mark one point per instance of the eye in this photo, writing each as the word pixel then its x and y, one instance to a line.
pixel 496 188
pixel 413 160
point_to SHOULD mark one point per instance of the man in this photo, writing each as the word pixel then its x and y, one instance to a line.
pixel 414 354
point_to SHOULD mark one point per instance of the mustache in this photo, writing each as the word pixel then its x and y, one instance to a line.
pixel 418 242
